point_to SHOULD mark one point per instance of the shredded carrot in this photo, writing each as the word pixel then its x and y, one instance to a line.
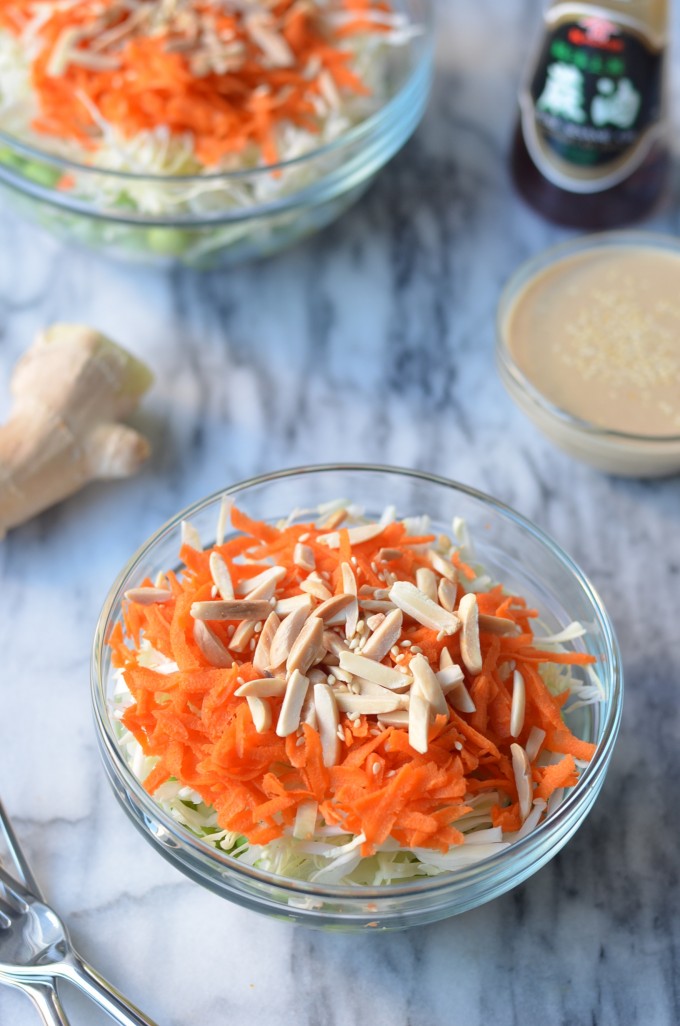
pixel 196 727
pixel 227 77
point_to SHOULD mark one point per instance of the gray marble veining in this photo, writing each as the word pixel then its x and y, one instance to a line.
pixel 373 341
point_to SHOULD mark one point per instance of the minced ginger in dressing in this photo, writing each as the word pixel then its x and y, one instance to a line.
pixel 598 334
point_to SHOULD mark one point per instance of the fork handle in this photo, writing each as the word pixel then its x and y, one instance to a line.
pixel 44 996
pixel 46 1000
pixel 78 971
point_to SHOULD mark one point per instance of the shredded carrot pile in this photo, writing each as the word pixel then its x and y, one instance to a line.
pixel 219 72
pixel 204 735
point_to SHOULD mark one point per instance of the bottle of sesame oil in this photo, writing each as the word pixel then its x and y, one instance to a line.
pixel 590 149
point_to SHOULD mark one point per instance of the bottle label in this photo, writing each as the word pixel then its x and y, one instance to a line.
pixel 592 107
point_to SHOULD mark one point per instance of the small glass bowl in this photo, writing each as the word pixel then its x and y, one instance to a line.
pixel 307 194
pixel 513 551
pixel 615 452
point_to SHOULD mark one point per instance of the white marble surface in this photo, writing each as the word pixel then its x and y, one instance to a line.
pixel 372 342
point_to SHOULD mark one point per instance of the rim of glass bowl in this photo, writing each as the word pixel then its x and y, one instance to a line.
pixel 386 118
pixel 430 885
pixel 511 373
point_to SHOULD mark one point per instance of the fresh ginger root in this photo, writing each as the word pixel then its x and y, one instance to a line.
pixel 70 389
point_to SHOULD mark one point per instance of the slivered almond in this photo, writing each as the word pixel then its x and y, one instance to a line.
pixel 427 582
pixel 521 767
pixel 398 718
pixel 445 659
pixel 450 677
pixel 328 720
pixel 233 609
pixel 376 605
pixel 261 711
pixel 418 723
pixel 333 520
pixel 289 717
pixel 460 698
pixel 226 506
pixel 211 646
pixel 243 635
pixel 314 585
pixel 349 587
pixel 148 596
pixel 221 576
pixel 190 536
pixel 333 610
pixel 308 714
pixel 288 605
pixel 263 585
pixel 360 666
pixel 389 555
pixel 373 622
pixel 261 653
pixel 357 535
pixel 361 686
pixel 447 594
pixel 272 43
pixel 263 687
pixel 304 827
pixel 443 567
pixel 518 705
pixel 470 651
pixel 366 705
pixel 497 624
pixel 534 742
pixel 426 684
pixel 334 644
pixel 307 647
pixel 303 556
pixel 422 609
pixel 384 637
pixel 287 632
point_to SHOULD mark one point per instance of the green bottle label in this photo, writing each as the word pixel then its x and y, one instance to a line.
pixel 591 109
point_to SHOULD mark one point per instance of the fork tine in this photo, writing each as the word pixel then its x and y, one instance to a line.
pixel 14 890
pixel 18 856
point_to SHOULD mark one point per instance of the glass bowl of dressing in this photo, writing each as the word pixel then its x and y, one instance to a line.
pixel 588 346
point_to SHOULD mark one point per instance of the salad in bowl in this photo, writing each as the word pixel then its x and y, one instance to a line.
pixel 204 129
pixel 334 699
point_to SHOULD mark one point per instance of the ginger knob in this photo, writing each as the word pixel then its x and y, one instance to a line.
pixel 70 390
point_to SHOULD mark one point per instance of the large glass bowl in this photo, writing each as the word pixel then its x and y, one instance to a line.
pixel 253 213
pixel 513 551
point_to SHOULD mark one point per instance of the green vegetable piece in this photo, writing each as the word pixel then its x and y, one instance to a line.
pixel 41 174
pixel 169 241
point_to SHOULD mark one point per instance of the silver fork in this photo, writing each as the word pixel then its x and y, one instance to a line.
pixel 42 993
pixel 35 946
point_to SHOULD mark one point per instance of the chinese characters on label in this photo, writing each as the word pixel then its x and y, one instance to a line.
pixel 615 103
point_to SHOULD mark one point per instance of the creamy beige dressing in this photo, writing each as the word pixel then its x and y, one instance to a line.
pixel 598 334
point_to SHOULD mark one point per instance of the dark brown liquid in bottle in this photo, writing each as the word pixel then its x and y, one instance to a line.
pixel 629 201
pixel 594 93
